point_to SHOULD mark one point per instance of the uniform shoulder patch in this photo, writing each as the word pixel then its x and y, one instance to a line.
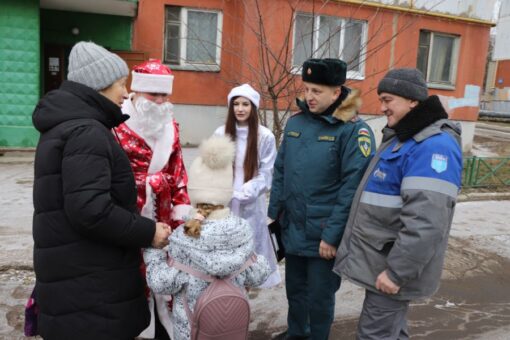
pixel 365 145
pixel 439 162
pixel 363 132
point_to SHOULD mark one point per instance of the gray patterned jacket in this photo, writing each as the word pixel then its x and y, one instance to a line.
pixel 225 243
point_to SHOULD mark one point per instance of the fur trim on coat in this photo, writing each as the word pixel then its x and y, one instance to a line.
pixel 349 107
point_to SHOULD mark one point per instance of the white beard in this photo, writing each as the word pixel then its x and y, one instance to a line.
pixel 152 117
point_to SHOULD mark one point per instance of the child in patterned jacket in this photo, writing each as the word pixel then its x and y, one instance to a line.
pixel 214 241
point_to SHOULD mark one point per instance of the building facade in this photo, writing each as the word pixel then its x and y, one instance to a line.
pixel 497 89
pixel 212 45
pixel 36 37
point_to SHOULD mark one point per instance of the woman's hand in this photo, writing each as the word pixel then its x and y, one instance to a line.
pixel 163 232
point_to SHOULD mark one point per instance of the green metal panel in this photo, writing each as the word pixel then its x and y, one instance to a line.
pixel 110 31
pixel 486 172
pixel 20 57
pixel 19 71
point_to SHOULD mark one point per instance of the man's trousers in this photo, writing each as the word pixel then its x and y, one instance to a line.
pixel 382 318
pixel 311 286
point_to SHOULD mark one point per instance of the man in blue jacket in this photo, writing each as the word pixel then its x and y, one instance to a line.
pixel 324 153
pixel 398 227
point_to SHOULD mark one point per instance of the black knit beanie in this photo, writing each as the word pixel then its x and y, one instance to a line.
pixel 404 82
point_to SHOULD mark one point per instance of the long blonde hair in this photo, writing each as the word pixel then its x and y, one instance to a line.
pixel 193 226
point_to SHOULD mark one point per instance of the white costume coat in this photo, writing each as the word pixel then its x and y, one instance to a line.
pixel 252 194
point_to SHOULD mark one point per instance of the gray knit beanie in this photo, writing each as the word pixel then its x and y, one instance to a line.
pixel 404 82
pixel 95 67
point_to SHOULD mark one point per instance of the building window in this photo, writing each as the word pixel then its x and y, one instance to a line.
pixel 323 36
pixel 437 58
pixel 193 38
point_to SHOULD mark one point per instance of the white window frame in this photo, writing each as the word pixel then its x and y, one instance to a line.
pixel 183 40
pixel 357 75
pixel 454 61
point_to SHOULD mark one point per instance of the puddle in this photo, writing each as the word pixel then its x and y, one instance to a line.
pixel 473 300
pixel 490 147
pixel 27 182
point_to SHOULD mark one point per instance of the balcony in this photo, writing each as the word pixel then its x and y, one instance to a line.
pixel 126 8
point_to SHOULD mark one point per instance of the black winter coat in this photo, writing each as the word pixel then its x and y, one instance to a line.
pixel 87 233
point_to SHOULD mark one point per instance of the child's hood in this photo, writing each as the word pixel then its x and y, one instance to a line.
pixel 222 248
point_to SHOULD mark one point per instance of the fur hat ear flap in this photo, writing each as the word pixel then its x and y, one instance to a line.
pixel 210 175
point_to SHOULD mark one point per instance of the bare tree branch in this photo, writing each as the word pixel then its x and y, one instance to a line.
pixel 271 67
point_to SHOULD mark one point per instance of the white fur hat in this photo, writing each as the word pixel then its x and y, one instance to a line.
pixel 210 175
pixel 246 91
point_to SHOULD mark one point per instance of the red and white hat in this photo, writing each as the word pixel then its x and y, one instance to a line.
pixel 152 76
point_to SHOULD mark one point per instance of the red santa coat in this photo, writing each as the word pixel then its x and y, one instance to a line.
pixel 159 172
pixel 168 184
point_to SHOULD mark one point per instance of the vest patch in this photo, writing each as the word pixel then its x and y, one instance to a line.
pixel 326 138
pixel 293 134
pixel 379 174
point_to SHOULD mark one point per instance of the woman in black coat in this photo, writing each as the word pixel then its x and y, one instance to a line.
pixel 87 233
